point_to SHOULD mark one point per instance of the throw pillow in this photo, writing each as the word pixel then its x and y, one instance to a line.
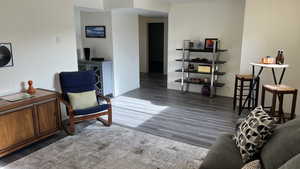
pixel 253 133
pixel 83 100
pixel 252 165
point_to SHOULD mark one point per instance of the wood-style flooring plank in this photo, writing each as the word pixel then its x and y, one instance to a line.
pixel 185 117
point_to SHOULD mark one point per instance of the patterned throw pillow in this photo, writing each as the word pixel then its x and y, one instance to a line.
pixel 253 133
pixel 252 165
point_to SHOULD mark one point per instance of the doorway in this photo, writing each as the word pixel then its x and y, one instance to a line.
pixel 156 47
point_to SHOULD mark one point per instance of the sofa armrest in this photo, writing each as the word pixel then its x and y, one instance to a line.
pixel 293 163
pixel 224 154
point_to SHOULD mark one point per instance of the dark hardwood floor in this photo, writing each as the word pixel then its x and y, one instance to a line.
pixel 188 117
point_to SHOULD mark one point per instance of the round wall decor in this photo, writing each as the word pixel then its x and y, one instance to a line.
pixel 5 55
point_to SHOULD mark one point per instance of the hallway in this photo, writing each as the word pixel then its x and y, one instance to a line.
pixel 153 80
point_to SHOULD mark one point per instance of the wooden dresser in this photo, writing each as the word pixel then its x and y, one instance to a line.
pixel 27 121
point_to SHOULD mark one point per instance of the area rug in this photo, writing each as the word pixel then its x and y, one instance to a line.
pixel 98 147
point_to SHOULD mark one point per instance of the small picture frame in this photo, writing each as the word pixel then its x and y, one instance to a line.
pixel 95 31
pixel 6 55
pixel 209 44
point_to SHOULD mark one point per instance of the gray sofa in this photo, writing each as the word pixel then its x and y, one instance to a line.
pixel 281 152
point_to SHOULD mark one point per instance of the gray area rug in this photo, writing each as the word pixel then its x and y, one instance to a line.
pixel 98 147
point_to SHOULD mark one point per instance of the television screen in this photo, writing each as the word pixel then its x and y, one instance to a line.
pixel 95 31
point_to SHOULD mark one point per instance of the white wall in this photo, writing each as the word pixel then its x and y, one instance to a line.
pixel 207 19
pixel 100 47
pixel 77 21
pixel 116 4
pixel 126 51
pixel 152 5
pixel 120 45
pixel 43 37
pixel 270 25
pixel 91 4
pixel 143 34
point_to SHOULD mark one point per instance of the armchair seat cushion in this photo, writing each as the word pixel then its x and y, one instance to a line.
pixel 92 110
pixel 76 82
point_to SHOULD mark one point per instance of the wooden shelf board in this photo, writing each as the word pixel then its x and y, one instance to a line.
pixel 202 63
pixel 206 73
pixel 203 50
pixel 189 82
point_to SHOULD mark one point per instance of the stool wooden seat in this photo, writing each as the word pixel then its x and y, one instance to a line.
pixel 245 77
pixel 279 91
pixel 240 84
pixel 280 88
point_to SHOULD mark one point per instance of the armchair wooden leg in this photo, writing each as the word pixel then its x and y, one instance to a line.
pixel 71 126
pixel 104 122
pixel 110 116
pixel 107 122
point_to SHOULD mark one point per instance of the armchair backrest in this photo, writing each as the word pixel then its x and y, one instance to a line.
pixel 76 82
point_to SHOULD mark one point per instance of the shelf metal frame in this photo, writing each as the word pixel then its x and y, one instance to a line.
pixel 214 57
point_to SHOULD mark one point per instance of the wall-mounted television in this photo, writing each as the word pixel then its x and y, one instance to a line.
pixel 95 32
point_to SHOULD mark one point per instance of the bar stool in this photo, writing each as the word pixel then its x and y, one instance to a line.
pixel 279 91
pixel 244 83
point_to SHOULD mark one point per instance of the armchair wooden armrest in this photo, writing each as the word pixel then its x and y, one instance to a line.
pixel 66 103
pixel 70 112
pixel 104 98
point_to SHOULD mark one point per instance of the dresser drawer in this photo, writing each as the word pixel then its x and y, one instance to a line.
pixel 47 114
pixel 17 127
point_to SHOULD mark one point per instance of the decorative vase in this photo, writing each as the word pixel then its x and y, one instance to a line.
pixel 31 89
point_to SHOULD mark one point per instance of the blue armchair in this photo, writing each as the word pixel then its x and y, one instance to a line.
pixel 77 82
